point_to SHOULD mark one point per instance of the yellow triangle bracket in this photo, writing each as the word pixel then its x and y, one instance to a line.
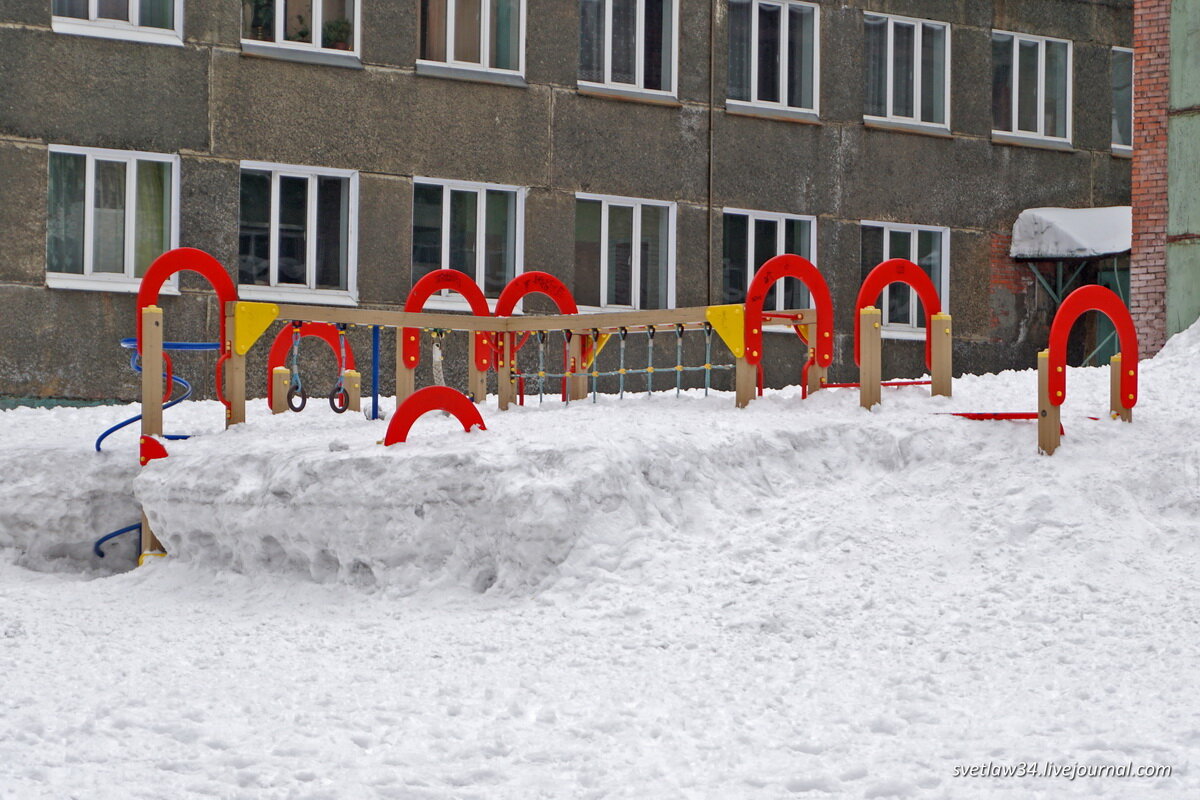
pixel 600 342
pixel 251 321
pixel 730 324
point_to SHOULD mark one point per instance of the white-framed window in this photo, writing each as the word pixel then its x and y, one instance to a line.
pixel 908 70
pixel 926 246
pixel 1031 86
pixel 475 228
pixel 750 239
pixel 474 34
pixel 298 233
pixel 302 27
pixel 1122 99
pixel 774 54
pixel 624 252
pixel 152 21
pixel 109 214
pixel 629 45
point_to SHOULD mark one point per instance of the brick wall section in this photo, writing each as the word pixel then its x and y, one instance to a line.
pixel 1008 277
pixel 1152 76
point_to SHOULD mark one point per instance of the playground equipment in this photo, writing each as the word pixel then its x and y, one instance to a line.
pixel 496 340
pixel 432 398
pixel 868 323
pixel 171 378
pixel 285 387
pixel 1052 362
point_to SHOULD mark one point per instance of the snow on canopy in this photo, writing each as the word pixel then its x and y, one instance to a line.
pixel 1072 232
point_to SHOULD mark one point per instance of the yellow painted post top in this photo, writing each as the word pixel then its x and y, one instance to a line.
pixel 251 321
pixel 729 321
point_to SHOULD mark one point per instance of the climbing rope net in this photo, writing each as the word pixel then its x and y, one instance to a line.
pixel 548 360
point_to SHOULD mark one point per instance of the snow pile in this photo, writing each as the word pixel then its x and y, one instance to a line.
pixel 649 598
pixel 59 495
pixel 1072 232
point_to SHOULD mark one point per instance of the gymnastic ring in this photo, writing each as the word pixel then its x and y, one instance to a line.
pixel 292 394
pixel 339 399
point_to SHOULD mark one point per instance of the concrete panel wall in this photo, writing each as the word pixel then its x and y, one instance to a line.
pixel 217 106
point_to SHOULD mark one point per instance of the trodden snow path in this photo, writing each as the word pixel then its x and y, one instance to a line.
pixel 643 599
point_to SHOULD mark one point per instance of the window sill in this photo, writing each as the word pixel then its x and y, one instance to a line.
pixel 761 111
pixel 438 69
pixel 1121 151
pixel 904 126
pixel 454 302
pixel 1039 142
pixel 305 296
pixel 634 94
pixel 303 55
pixel 116 30
pixel 904 333
pixel 97 283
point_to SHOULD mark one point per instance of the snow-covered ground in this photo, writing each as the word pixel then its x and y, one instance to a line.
pixel 647 598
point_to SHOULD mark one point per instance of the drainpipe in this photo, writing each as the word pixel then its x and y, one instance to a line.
pixel 712 113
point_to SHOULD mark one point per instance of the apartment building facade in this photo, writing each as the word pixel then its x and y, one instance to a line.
pixel 649 153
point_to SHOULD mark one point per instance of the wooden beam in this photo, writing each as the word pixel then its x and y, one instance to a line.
pixel 745 382
pixel 1117 410
pixel 577 383
pixel 406 380
pixel 941 370
pixel 1049 415
pixel 506 385
pixel 606 321
pixel 235 371
pixel 816 374
pixel 476 377
pixel 152 400
pixel 152 371
pixel 281 381
pixel 352 383
pixel 870 355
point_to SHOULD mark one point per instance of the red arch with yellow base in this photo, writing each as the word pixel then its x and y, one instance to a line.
pixel 776 269
pixel 1078 303
pixel 898 270
pixel 455 281
pixel 187 259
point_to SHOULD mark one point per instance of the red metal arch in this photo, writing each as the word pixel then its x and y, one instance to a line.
pixel 535 283
pixel 324 331
pixel 528 283
pixel 425 288
pixel 432 398
pixel 898 270
pixel 1079 302
pixel 775 269
pixel 184 259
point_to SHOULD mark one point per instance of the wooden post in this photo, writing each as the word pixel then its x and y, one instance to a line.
pixel 406 379
pixel 352 383
pixel 816 373
pixel 235 370
pixel 152 398
pixel 281 381
pixel 745 382
pixel 942 355
pixel 870 355
pixel 506 387
pixel 476 377
pixel 1114 391
pixel 152 371
pixel 576 385
pixel 1049 415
